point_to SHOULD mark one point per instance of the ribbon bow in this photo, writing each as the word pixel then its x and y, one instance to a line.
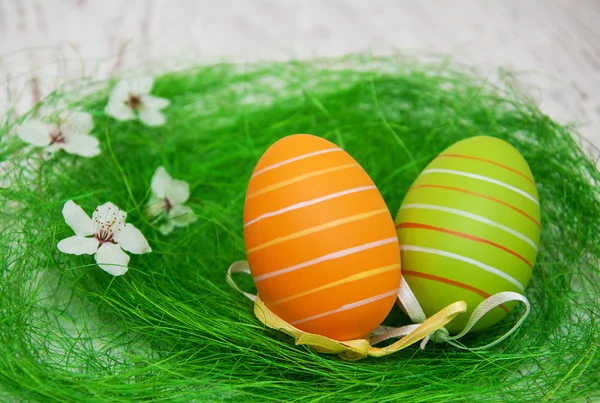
pixel 425 329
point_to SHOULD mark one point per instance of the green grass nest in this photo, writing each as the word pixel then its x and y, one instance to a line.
pixel 172 330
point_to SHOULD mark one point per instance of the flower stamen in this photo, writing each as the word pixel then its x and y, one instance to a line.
pixel 57 137
pixel 134 102
pixel 107 226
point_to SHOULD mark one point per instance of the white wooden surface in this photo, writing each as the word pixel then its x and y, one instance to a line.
pixel 553 45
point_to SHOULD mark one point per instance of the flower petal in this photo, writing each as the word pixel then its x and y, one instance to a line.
pixel 106 208
pixel 82 144
pixel 120 92
pixel 140 85
pixel 166 227
pixel 77 123
pixel 78 245
pixel 161 181
pixel 178 192
pixel 132 240
pixel 77 219
pixel 152 102
pixel 36 132
pixel 119 110
pixel 106 214
pixel 182 216
pixel 112 259
pixel 151 117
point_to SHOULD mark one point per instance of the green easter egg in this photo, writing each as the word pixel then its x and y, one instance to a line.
pixel 469 227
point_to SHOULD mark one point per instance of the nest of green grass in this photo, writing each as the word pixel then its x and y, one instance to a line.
pixel 171 329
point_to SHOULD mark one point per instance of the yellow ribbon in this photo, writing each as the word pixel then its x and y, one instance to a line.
pixel 350 350
pixel 353 350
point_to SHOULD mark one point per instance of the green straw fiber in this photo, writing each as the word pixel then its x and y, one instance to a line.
pixel 172 330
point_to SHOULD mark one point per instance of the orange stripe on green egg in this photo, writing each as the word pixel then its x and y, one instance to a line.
pixel 486 171
pixel 506 195
pixel 507 214
pixel 487 184
pixel 482 196
pixel 487 161
pixel 461 268
pixel 477 226
pixel 453 283
pixel 438 295
pixel 464 235
pixel 491 149
pixel 488 157
pixel 489 253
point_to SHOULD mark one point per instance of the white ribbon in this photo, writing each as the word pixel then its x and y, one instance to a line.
pixel 487 305
pixel 239 267
pixel 409 304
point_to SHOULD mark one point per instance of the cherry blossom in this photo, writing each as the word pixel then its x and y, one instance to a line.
pixel 131 97
pixel 70 133
pixel 166 202
pixel 106 235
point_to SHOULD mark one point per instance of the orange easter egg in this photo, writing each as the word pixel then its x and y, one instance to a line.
pixel 320 241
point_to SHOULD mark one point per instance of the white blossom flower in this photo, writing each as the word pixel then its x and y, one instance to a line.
pixel 105 235
pixel 71 134
pixel 131 97
pixel 166 202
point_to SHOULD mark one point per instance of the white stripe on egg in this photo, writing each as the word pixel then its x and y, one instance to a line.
pixel 482 178
pixel 489 269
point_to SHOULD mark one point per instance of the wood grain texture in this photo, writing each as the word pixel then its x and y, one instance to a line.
pixel 551 45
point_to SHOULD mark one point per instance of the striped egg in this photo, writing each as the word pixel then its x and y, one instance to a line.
pixel 469 227
pixel 320 241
